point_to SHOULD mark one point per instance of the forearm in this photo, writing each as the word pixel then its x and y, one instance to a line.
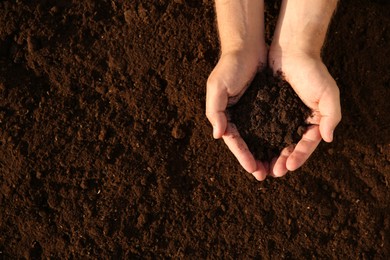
pixel 240 24
pixel 303 25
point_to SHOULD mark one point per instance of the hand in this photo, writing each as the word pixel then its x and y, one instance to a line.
pixel 302 24
pixel 312 82
pixel 226 84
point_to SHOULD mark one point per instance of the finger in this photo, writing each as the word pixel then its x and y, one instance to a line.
pixel 271 166
pixel 279 167
pixel 216 103
pixel 330 109
pixel 239 148
pixel 219 122
pixel 305 147
pixel 261 172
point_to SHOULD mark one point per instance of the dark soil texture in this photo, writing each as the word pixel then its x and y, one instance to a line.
pixel 269 116
pixel 105 150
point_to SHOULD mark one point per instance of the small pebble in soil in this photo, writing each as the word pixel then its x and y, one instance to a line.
pixel 102 135
pixel 178 132
pixel 269 116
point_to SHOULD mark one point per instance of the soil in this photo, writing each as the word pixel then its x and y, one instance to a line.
pixel 105 151
pixel 270 116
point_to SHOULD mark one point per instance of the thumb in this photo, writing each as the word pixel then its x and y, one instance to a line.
pixel 219 122
pixel 216 103
pixel 330 110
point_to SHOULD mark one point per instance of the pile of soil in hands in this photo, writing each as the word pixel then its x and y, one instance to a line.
pixel 270 115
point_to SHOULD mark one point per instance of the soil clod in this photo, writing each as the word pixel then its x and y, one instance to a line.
pixel 270 115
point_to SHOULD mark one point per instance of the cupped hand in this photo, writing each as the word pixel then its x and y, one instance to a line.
pixel 312 82
pixel 225 85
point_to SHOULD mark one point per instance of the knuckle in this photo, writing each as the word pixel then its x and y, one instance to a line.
pixel 211 81
pixel 209 116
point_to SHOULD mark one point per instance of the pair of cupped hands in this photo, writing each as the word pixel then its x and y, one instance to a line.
pixel 309 78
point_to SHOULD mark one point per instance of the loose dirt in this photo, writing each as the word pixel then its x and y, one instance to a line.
pixel 270 116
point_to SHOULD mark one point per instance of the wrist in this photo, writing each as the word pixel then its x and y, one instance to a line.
pixel 254 55
pixel 241 26
pixel 302 26
pixel 247 49
pixel 294 49
pixel 247 45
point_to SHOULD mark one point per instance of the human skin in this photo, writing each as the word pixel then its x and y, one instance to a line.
pixel 243 53
pixel 296 52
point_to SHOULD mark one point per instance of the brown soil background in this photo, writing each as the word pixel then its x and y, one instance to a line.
pixel 105 150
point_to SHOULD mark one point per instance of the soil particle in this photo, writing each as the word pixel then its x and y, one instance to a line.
pixel 178 132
